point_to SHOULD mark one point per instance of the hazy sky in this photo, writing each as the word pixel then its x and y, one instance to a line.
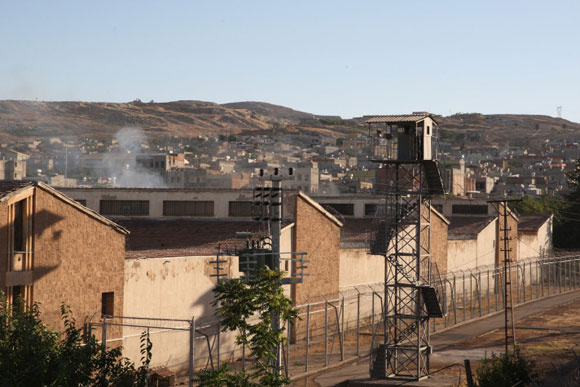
pixel 327 57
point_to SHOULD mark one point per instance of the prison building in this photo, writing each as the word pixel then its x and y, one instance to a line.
pixel 55 251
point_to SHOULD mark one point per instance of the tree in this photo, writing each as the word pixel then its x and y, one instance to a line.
pixel 33 355
pixel 506 370
pixel 248 306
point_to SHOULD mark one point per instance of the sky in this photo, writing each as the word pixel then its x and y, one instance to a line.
pixel 347 58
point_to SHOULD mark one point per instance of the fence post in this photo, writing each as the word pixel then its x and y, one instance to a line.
pixel 524 280
pixel 549 277
pixel 488 299
pixel 454 299
pixel 357 323
pixel 373 319
pixel 325 333
pixel 342 332
pixel 495 287
pixel 307 336
pixel 470 294
pixel 464 306
pixel 191 350
pixel 479 291
pixel 517 283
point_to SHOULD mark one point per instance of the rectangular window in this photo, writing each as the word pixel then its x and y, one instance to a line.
pixel 19 224
pixel 108 304
pixel 370 209
pixel 438 207
pixel 187 208
pixel 469 209
pixel 342 208
pixel 124 207
pixel 82 201
pixel 240 209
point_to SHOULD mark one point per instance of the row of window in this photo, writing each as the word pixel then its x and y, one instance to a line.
pixel 201 208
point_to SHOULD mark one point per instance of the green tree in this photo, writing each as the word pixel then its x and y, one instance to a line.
pixel 248 306
pixel 33 355
pixel 506 370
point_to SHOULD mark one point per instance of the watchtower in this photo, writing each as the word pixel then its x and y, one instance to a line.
pixel 406 149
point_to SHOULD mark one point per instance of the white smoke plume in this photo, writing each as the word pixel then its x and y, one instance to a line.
pixel 130 174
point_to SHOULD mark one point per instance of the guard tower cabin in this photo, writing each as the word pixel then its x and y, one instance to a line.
pixel 406 137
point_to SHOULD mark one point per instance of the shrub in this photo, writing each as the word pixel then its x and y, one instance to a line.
pixel 505 370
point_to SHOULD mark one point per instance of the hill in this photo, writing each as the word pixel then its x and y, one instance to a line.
pixel 34 119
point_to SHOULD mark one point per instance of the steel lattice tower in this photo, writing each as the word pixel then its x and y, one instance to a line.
pixel 402 234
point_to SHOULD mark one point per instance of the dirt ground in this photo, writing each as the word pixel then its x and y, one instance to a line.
pixel 551 338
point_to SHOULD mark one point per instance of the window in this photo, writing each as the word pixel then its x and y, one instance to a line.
pixel 370 209
pixel 438 207
pixel 124 207
pixel 342 208
pixel 240 209
pixel 82 201
pixel 19 224
pixel 187 208
pixel 108 304
pixel 469 209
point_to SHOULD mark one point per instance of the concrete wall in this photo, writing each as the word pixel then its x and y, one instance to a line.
pixel 175 288
pixel 473 251
pixel 220 197
pixel 462 254
pixel 358 267
pixel 535 244
pixel 76 259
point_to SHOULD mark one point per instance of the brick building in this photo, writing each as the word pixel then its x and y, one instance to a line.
pixel 55 250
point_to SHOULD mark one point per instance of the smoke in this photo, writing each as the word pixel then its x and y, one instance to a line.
pixel 124 169
pixel 130 139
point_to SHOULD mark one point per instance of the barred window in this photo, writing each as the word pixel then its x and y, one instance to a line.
pixel 469 209
pixel 240 209
pixel 124 207
pixel 342 208
pixel 187 208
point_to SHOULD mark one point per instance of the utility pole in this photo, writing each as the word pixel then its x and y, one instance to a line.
pixel 275 220
pixel 509 326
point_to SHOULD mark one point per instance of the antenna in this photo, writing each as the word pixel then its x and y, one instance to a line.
pixel 559 111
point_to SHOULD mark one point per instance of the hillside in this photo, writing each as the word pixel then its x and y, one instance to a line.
pixel 30 119
pixel 181 118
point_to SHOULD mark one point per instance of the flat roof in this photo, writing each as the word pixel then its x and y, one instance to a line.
pixel 395 119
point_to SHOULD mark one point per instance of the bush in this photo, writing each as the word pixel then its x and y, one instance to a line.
pixel 505 370
pixel 33 355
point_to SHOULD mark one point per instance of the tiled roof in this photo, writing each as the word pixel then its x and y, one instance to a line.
pixel 355 230
pixel 467 225
pixel 532 222
pixel 9 186
pixel 153 238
